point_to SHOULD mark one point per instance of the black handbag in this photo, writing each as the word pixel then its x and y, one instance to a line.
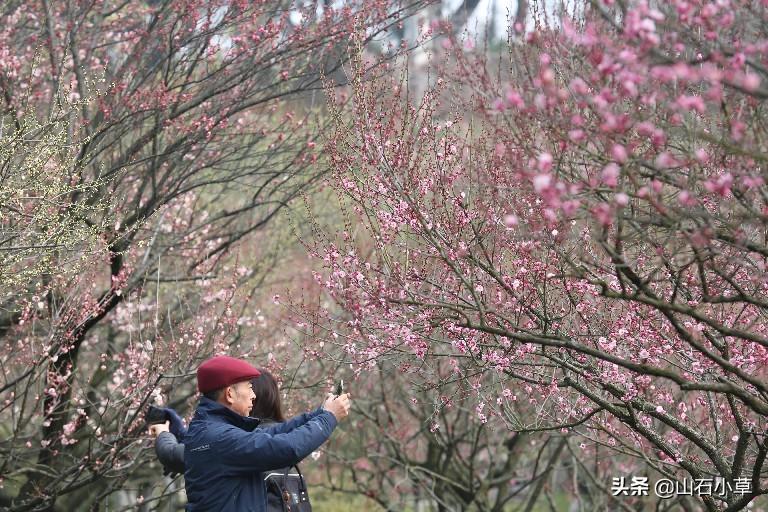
pixel 286 491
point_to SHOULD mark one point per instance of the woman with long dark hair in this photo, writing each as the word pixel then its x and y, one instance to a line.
pixel 267 405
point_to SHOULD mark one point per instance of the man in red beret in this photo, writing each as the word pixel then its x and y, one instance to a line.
pixel 220 379
pixel 226 452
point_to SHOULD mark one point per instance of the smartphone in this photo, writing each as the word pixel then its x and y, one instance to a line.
pixel 339 387
pixel 155 415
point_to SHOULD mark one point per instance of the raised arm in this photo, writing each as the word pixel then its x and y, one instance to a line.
pixel 169 451
pixel 261 450
pixel 295 422
pixel 299 420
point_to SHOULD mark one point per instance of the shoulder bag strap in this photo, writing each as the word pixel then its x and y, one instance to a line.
pixel 303 497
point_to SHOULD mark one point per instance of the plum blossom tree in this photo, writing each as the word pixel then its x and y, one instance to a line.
pixel 192 124
pixel 586 229
pixel 422 448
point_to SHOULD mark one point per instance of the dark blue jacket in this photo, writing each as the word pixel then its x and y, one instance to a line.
pixel 225 455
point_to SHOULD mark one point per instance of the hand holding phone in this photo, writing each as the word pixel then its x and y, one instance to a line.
pixel 155 415
pixel 338 405
pixel 156 429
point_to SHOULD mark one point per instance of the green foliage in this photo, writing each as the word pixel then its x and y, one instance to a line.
pixel 45 209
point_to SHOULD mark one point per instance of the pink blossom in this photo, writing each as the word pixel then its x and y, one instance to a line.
pixel 514 99
pixel 619 153
pixel 549 214
pixel 714 94
pixel 658 138
pixel 750 82
pixel 570 207
pixel 628 56
pixel 544 162
pixel 752 181
pixel 610 174
pixel 579 86
pixel 542 182
pixel 629 87
pixel 547 76
pixel 645 129
pixel 701 155
pixel 577 135
pixel 737 130
pixel 686 199
pixel 665 160
pixel 720 186
pixel 603 214
pixel 695 103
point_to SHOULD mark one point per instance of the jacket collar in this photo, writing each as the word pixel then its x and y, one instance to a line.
pixel 208 410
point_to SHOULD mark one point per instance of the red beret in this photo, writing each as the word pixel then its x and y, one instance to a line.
pixel 222 371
